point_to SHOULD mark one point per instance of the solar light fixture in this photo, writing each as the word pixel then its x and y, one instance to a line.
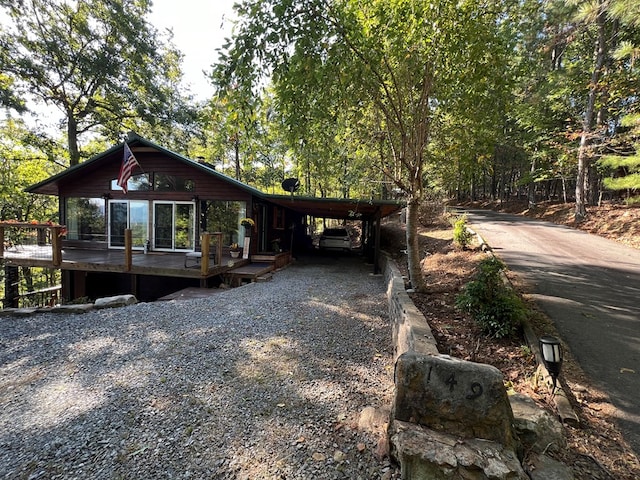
pixel 552 356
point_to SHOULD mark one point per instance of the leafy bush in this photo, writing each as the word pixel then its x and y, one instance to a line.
pixel 632 201
pixel 461 234
pixel 498 310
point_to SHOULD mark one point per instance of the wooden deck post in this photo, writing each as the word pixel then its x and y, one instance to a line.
pixel 11 290
pixel 56 246
pixel 206 248
pixel 128 250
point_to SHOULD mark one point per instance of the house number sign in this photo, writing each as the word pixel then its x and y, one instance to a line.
pixel 472 391
pixel 462 398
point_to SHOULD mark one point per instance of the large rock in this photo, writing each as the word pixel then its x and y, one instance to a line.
pixel 426 454
pixel 375 421
pixel 537 429
pixel 116 301
pixel 464 399
pixel 71 308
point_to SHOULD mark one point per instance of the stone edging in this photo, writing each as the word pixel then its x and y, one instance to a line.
pixel 411 332
pixel 413 446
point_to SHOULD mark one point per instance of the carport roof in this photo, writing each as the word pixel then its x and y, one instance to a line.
pixel 339 208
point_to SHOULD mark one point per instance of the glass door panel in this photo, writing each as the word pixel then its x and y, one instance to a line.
pixel 163 226
pixel 174 226
pixel 184 229
pixel 139 222
pixel 118 213
pixel 128 214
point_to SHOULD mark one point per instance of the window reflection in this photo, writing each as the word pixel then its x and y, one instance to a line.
pixel 85 219
pixel 223 216
pixel 137 183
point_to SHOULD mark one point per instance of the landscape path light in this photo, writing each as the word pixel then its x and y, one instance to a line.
pixel 551 351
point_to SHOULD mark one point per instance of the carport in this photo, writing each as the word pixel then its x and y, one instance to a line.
pixel 369 212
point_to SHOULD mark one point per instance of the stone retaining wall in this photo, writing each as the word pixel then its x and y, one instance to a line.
pixel 452 419
pixel 411 332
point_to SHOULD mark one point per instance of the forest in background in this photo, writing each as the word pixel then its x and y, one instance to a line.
pixel 407 99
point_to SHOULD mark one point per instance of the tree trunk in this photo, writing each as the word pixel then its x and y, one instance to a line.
pixel 532 184
pixel 236 151
pixel 72 140
pixel 584 155
pixel 413 246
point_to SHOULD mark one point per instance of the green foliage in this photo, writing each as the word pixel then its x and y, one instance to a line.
pixel 24 162
pixel 497 309
pixel 461 234
pixel 99 63
pixel 625 170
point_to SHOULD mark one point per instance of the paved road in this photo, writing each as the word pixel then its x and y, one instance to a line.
pixel 590 287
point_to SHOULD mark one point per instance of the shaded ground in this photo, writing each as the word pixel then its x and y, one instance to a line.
pixel 596 448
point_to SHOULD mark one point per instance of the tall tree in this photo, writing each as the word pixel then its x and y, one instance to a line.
pixel 98 61
pixel 625 168
pixel 406 60
pixel 544 109
pixel 597 13
pixel 610 94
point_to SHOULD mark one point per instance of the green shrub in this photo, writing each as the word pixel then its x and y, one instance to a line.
pixel 498 310
pixel 632 201
pixel 461 234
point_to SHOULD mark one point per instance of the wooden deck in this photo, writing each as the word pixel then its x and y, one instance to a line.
pixel 167 264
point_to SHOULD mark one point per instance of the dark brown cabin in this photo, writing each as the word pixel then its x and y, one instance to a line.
pixel 175 225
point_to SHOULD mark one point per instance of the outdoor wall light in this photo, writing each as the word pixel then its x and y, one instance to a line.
pixel 552 356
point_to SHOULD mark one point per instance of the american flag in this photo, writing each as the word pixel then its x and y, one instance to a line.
pixel 128 164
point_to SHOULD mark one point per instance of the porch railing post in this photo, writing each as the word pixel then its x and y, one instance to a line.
pixel 206 247
pixel 56 246
pixel 128 250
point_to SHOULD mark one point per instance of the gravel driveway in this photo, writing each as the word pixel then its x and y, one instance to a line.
pixel 263 381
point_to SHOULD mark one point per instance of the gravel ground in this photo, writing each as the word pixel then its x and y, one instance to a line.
pixel 264 381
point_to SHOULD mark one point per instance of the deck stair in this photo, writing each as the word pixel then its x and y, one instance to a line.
pixel 249 273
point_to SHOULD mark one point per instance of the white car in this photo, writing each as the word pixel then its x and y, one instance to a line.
pixel 335 238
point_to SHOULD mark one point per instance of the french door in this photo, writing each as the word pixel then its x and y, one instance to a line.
pixel 174 226
pixel 133 214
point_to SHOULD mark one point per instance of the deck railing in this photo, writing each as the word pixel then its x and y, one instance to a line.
pixel 207 248
pixel 41 244
pixel 41 241
pixel 49 296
